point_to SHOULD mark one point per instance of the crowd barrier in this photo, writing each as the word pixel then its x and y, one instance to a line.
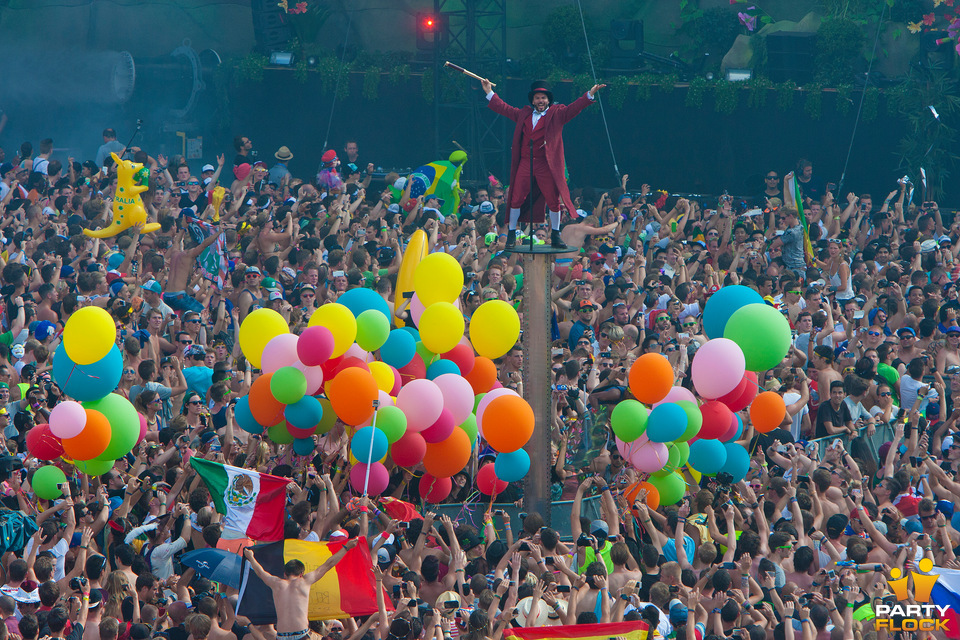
pixel 472 513
pixel 883 434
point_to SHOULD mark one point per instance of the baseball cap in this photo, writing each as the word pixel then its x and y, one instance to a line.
pixel 339 535
pixel 270 283
pixel 44 330
pixel 329 156
pixel 394 208
pixel 836 525
pixel 903 330
pixel 947 443
pixel 275 295
pixel 5 168
pixel 255 270
pixel 151 285
pixel 607 249
pixel 207 167
pixel 581 213
pixel 487 207
pixel 195 350
pixel 585 304
pixel 599 526
pixel 953 330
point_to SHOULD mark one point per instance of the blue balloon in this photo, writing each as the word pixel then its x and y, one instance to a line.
pixel 512 466
pixel 412 331
pixel 361 299
pixel 303 446
pixel 88 381
pixel 362 441
pixel 666 422
pixel 441 367
pixel 739 432
pixel 305 413
pixel 399 349
pixel 245 419
pixel 707 456
pixel 723 304
pixel 738 461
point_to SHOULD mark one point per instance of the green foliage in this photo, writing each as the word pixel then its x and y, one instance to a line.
pixel 619 89
pixel 698 87
pixel 563 35
pixel 813 104
pixel 371 83
pixel 581 82
pixel 844 98
pixel 250 67
pixel 839 46
pixel 397 73
pixel 710 31
pixel 758 87
pixel 426 85
pixel 871 104
pixel 726 96
pixel 537 64
pixel 300 71
pixel 785 94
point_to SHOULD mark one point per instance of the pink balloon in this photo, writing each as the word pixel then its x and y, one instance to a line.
pixel 356 352
pixel 650 457
pixel 386 400
pixel 678 393
pixel 487 399
pixel 315 346
pixel 497 385
pixel 67 419
pixel 397 381
pixel 441 429
pixel 377 482
pixel 457 395
pixel 732 431
pixel 421 401
pixel 717 368
pixel 143 428
pixel 314 376
pixel 627 449
pixel 280 352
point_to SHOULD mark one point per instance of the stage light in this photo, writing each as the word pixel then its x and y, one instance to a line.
pixel 281 59
pixel 429 29
pixel 739 75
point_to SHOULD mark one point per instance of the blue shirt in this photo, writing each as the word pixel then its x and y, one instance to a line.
pixel 199 379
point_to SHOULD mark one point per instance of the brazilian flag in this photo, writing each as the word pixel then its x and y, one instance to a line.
pixel 442 179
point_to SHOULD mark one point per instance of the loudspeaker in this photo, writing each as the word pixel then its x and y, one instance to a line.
pixel 271 26
pixel 626 43
pixel 934 55
pixel 790 56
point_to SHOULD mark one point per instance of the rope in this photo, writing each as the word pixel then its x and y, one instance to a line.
pixel 856 123
pixel 336 91
pixel 603 114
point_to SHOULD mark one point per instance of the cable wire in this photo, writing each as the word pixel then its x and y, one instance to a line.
pixel 336 91
pixel 603 113
pixel 856 123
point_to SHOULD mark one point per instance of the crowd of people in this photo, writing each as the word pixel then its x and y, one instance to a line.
pixel 799 549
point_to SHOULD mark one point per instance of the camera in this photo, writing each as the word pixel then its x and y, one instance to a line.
pixel 77 583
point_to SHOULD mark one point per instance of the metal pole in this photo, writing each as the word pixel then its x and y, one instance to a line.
pixel 537 379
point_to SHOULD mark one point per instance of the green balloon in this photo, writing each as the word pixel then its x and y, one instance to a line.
pixel 288 385
pixel 684 449
pixel 94 467
pixel 629 420
pixel 124 424
pixel 762 333
pixel 470 427
pixel 392 421
pixel 694 420
pixel 45 481
pixel 280 434
pixel 427 355
pixel 329 417
pixel 372 329
pixel 671 487
pixel 476 402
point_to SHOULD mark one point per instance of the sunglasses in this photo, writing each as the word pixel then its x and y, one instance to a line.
pixel 186 342
pixel 885 394
pixel 689 324
pixel 772 178
pixel 932 516
pixel 874 333
pixel 193 183
pixel 194 402
pixel 793 291
pixel 128 371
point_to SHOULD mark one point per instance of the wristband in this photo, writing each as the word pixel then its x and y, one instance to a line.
pixel 605 487
pixel 679 519
pixel 851 605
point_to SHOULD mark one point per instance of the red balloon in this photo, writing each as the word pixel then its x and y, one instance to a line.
pixel 408 450
pixel 330 366
pixel 266 409
pixel 42 444
pixel 716 420
pixel 301 433
pixel 434 490
pixel 347 363
pixel 462 356
pixel 487 481
pixel 441 429
pixel 414 370
pixel 743 395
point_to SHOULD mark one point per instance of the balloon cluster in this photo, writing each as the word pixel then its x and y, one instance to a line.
pixel 746 336
pixel 98 426
pixel 415 394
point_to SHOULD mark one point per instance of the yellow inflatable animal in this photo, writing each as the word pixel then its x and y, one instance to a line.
pixel 128 208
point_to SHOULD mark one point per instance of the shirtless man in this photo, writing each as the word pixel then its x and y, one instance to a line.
pixel 291 593
pixel 574 234
pixel 275 236
pixel 182 259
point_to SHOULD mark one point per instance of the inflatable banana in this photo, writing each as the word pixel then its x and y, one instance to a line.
pixel 128 209
pixel 416 251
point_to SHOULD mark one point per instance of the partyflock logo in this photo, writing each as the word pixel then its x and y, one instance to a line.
pixel 922 616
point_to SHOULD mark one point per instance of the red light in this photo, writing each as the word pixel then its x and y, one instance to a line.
pixel 429 23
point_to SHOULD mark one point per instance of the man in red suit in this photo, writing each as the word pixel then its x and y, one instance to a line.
pixel 539 132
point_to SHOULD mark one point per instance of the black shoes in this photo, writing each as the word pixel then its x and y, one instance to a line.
pixel 555 240
pixel 511 238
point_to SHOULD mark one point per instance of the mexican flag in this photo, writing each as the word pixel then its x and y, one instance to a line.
pixel 252 503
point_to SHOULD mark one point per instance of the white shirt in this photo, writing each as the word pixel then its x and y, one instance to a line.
pixel 58 550
pixel 537 115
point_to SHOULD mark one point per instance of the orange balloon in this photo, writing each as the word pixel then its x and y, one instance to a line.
pixel 90 442
pixel 508 423
pixel 651 378
pixel 444 459
pixel 352 393
pixel 266 409
pixel 482 376
pixel 767 411
pixel 653 494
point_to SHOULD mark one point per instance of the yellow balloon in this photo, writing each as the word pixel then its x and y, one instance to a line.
pixel 257 329
pixel 341 322
pixel 383 375
pixel 494 328
pixel 438 278
pixel 353 460
pixel 441 327
pixel 89 335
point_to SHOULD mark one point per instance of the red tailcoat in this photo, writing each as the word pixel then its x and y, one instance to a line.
pixel 553 120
